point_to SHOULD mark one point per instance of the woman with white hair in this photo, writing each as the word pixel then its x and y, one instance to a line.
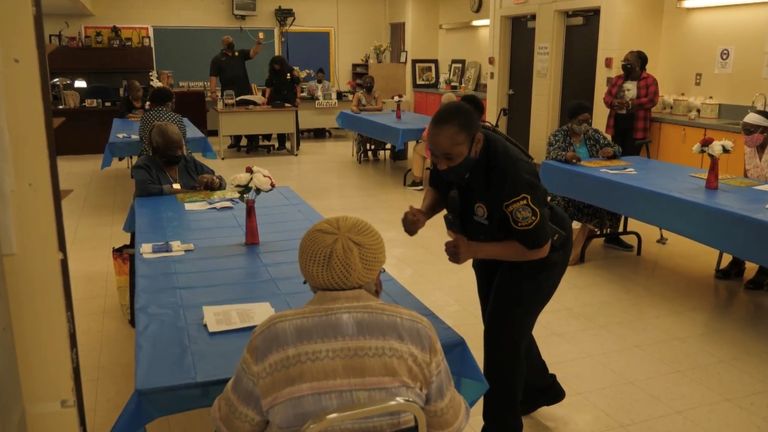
pixel 421 152
pixel 755 129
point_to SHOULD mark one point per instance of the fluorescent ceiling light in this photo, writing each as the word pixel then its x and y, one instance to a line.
pixel 466 24
pixel 485 22
pixel 80 83
pixel 691 4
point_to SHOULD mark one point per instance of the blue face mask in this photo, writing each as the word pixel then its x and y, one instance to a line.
pixel 458 173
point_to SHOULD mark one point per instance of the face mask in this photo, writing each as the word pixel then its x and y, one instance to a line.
pixel 368 88
pixel 754 140
pixel 231 46
pixel 627 68
pixel 173 160
pixel 580 129
pixel 457 174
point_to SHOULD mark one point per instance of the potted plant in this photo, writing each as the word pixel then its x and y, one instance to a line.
pixel 447 84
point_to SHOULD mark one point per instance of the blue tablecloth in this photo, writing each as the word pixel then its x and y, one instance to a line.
pixel 732 219
pixel 179 365
pixel 127 147
pixel 384 126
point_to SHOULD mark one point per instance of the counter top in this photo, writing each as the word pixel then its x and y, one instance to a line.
pixel 715 124
pixel 459 93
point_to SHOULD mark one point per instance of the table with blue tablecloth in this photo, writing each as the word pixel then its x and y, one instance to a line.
pixel 732 219
pixel 179 365
pixel 129 147
pixel 383 126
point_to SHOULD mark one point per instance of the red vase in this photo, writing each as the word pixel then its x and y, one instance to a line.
pixel 713 175
pixel 251 227
pixel 398 113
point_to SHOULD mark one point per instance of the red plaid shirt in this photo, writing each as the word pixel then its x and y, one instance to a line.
pixel 647 98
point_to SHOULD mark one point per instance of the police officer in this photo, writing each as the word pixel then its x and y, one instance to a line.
pixel 229 67
pixel 499 217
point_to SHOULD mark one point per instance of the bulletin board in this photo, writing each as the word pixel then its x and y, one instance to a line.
pixel 187 51
pixel 133 32
pixel 311 48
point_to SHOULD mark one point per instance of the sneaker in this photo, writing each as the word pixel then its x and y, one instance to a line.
pixel 618 243
pixel 415 185
pixel 553 395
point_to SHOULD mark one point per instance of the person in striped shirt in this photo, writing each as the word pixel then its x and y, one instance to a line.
pixel 344 349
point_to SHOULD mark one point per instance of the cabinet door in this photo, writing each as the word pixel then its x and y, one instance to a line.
pixel 420 102
pixel 732 163
pixel 676 143
pixel 433 103
pixel 655 139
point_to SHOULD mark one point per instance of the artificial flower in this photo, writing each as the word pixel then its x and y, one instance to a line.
pixel 252 182
pixel 697 148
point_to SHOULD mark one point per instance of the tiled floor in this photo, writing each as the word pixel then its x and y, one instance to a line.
pixel 650 344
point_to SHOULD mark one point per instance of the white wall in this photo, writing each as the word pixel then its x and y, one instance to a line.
pixel 33 278
pixel 358 23
pixel 470 44
pixel 691 40
pixel 624 25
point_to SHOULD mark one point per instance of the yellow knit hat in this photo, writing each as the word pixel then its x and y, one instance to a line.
pixel 341 253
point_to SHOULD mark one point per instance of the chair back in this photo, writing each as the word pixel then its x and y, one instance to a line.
pixel 325 422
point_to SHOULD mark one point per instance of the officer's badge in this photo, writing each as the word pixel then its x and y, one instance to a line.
pixel 522 213
pixel 481 213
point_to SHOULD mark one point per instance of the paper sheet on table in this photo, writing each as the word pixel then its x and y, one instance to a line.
pixel 146 250
pixel 235 316
pixel 206 196
pixel 203 205
pixel 762 188
pixel 600 163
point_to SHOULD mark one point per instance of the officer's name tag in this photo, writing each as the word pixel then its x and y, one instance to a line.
pixel 326 103
pixel 522 213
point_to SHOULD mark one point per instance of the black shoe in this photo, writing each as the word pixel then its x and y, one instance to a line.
pixel 552 395
pixel 759 281
pixel 415 185
pixel 734 270
pixel 618 243
pixel 281 148
pixel 233 145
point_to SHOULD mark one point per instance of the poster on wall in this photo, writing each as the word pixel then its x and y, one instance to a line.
pixel 542 60
pixel 724 60
pixel 102 36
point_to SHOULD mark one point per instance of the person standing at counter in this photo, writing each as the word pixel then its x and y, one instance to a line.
pixel 755 130
pixel 229 67
pixel 282 88
pixel 630 98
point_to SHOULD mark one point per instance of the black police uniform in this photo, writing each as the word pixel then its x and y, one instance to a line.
pixel 503 199
pixel 282 89
pixel 232 74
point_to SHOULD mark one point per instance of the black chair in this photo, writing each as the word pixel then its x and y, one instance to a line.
pixel 605 233
pixel 363 144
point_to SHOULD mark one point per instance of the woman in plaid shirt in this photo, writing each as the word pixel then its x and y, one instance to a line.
pixel 630 98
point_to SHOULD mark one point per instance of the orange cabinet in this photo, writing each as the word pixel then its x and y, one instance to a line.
pixel 420 102
pixel 732 163
pixel 655 139
pixel 675 143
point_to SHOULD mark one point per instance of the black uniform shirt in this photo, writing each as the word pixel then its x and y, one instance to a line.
pixel 502 198
pixel 231 71
pixel 283 88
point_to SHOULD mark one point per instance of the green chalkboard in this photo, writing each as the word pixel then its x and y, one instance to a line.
pixel 187 51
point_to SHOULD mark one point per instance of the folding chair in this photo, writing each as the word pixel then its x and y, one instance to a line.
pixel 325 422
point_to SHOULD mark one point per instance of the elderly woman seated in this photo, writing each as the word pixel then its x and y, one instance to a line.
pixel 571 143
pixel 168 170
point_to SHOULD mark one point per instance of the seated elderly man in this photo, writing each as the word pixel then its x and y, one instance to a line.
pixel 344 349
pixel 168 170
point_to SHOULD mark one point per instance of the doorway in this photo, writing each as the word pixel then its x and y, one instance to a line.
pixel 582 29
pixel 520 91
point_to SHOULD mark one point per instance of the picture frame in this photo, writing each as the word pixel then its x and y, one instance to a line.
pixel 456 70
pixel 54 39
pixel 403 56
pixel 146 41
pixel 128 42
pixel 425 73
pixel 471 76
pixel 88 41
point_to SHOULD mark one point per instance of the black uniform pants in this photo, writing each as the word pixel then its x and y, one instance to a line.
pixel 512 295
pixel 624 134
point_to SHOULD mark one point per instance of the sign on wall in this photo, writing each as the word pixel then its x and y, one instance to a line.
pixel 542 60
pixel 724 60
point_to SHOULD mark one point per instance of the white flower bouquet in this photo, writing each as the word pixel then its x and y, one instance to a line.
pixel 252 182
pixel 713 148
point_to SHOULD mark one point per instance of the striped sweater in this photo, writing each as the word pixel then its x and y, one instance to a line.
pixel 343 349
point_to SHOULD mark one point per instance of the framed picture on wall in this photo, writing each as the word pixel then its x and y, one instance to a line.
pixel 146 41
pixel 54 39
pixel 471 76
pixel 424 73
pixel 403 56
pixel 456 70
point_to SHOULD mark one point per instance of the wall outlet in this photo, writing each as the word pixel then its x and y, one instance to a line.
pixel 697 79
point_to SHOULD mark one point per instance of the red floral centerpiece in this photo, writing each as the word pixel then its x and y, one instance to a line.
pixel 713 149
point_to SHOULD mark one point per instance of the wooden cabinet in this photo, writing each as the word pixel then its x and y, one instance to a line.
pixel 420 102
pixel 655 139
pixel 732 163
pixel 426 103
pixel 675 143
pixel 85 131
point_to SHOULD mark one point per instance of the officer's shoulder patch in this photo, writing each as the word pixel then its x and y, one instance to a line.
pixel 522 213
